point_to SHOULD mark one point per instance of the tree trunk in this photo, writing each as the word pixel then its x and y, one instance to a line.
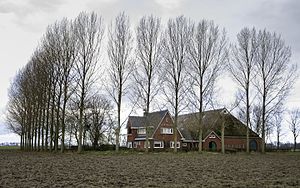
pixel 222 136
pixel 80 128
pixel 247 115
pixel 21 141
pixel 278 142
pixel 200 140
pixel 263 126
pixel 176 120
pixel 63 129
pixel 40 127
pixel 119 125
pixel 295 143
pixel 147 132
pixel 57 118
pixel 47 119
pixel 52 122
pixel 119 114
pixel 63 126
pixel 36 114
pixel 200 115
pixel 147 112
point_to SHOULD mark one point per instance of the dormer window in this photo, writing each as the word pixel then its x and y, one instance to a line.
pixel 141 131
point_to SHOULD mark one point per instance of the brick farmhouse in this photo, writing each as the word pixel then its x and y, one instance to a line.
pixel 161 132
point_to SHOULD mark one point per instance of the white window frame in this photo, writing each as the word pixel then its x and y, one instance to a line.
pixel 161 143
pixel 141 131
pixel 129 145
pixel 136 144
pixel 165 130
pixel 212 136
pixel 172 144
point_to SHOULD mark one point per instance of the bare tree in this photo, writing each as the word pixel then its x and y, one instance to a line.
pixel 294 124
pixel 52 56
pixel 121 63
pixel 207 54
pixel 69 55
pixel 24 108
pixel 99 110
pixel 175 44
pixel 275 75
pixel 40 78
pixel 89 31
pixel 146 75
pixel 277 121
pixel 16 109
pixel 241 67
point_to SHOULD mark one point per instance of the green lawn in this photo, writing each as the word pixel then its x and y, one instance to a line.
pixel 9 147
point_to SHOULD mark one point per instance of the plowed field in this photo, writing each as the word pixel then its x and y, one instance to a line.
pixel 98 169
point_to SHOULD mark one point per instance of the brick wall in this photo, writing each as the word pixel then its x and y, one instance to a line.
pixel 167 138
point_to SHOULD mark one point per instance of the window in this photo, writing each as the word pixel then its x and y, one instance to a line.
pixel 129 145
pixel 141 131
pixel 184 144
pixel 172 144
pixel 212 136
pixel 129 130
pixel 166 131
pixel 136 144
pixel 158 144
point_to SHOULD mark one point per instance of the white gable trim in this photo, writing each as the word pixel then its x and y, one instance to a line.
pixel 212 132
pixel 180 134
pixel 159 124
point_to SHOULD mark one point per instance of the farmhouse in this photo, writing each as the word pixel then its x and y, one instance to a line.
pixel 161 132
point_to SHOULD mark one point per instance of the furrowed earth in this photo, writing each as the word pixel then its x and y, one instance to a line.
pixel 132 169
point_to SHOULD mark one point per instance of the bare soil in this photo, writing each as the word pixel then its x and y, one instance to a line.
pixel 98 169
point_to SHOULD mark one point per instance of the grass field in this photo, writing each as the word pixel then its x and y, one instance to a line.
pixel 106 169
pixel 9 147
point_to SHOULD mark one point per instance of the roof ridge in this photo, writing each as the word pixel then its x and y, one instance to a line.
pixel 135 116
pixel 166 110
pixel 219 109
pixel 151 113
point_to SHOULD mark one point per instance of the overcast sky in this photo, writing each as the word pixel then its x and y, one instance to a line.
pixel 23 22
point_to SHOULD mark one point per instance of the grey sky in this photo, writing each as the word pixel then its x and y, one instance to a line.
pixel 23 22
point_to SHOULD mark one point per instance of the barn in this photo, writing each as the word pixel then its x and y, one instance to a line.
pixel 161 131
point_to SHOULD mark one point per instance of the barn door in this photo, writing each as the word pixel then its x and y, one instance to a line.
pixel 253 145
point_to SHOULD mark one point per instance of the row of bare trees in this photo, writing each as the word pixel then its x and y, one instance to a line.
pixel 67 86
pixel 260 66
pixel 292 119
pixel 58 85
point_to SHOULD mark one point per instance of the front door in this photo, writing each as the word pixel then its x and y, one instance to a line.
pixel 212 146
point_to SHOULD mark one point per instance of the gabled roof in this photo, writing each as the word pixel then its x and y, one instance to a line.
pixel 212 121
pixel 188 124
pixel 154 119
pixel 137 121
